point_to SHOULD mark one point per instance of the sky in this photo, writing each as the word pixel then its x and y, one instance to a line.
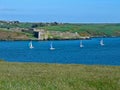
pixel 66 11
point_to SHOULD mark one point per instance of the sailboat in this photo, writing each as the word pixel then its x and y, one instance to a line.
pixel 51 47
pixel 30 45
pixel 101 42
pixel 81 45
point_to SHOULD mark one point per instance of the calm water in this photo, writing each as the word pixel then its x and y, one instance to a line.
pixel 65 52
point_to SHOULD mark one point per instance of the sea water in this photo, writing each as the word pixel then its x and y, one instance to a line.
pixel 66 51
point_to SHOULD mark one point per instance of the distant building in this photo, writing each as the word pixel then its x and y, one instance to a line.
pixel 41 34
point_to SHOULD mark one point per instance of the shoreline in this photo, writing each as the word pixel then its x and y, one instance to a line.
pixel 88 38
pixel 72 64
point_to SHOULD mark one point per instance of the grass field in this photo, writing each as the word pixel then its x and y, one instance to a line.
pixel 12 35
pixel 83 29
pixel 31 76
pixel 88 29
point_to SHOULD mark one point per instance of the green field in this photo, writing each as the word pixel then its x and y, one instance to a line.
pixel 94 30
pixel 57 29
pixel 12 35
pixel 31 76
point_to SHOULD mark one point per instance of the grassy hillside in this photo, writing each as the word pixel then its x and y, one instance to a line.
pixel 88 29
pixel 24 76
pixel 60 30
pixel 10 35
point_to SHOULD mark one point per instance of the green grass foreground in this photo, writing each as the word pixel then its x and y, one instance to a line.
pixel 30 76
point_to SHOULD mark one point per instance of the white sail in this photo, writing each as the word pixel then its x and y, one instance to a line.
pixel 101 42
pixel 51 47
pixel 81 45
pixel 30 45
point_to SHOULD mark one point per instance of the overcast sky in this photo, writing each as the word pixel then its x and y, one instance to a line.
pixel 75 11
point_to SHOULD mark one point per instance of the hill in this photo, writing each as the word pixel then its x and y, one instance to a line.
pixel 62 30
pixel 10 35
pixel 92 30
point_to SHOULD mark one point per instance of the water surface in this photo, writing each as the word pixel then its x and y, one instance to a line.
pixel 66 52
